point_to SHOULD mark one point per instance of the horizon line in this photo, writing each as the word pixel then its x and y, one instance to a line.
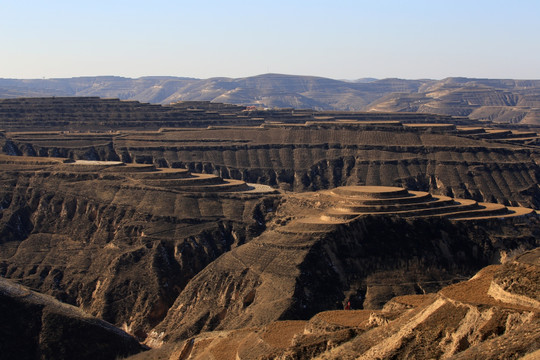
pixel 365 78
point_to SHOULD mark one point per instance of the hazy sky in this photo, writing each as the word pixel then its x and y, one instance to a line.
pixel 409 39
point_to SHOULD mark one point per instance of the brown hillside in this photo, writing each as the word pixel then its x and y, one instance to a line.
pixel 462 321
pixel 451 96
pixel 311 259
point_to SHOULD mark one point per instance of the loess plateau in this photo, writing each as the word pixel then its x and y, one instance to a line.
pixel 211 231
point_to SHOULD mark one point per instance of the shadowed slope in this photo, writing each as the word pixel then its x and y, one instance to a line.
pixel 37 326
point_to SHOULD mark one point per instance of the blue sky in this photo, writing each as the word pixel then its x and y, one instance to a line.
pixel 338 39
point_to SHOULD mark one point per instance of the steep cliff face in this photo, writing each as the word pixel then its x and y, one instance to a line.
pixel 312 160
pixel 117 249
pixel 249 285
pixel 170 254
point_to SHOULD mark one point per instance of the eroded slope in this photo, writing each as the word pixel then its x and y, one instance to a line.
pixel 462 321
pixel 501 100
pixel 118 241
pixel 305 263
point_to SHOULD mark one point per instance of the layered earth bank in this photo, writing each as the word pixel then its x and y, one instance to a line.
pixel 287 149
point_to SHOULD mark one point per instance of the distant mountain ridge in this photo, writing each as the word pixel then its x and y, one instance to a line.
pixel 500 100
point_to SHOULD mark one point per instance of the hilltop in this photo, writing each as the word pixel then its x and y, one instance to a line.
pixel 499 100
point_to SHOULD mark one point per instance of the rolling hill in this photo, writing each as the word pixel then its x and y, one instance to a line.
pixel 499 100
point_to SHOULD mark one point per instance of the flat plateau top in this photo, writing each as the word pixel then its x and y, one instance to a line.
pixel 370 191
pixel 96 162
pixel 428 125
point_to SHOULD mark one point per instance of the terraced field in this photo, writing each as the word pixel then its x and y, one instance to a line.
pixel 313 157
pixel 344 204
pixel 93 113
pixel 171 179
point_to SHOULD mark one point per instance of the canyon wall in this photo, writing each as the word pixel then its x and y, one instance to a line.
pixel 118 250
pixel 305 158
